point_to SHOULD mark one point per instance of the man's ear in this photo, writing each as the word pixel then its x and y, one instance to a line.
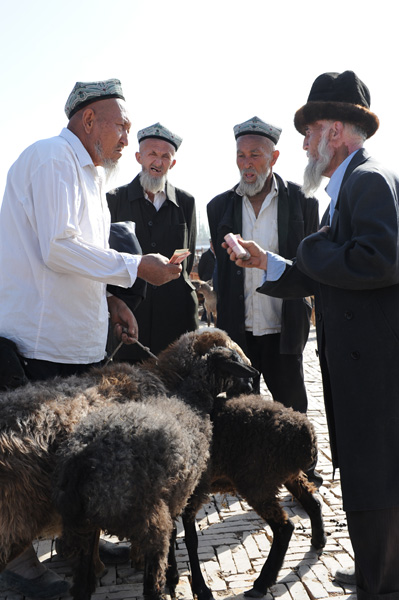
pixel 138 157
pixel 88 118
pixel 336 132
pixel 172 164
pixel 275 156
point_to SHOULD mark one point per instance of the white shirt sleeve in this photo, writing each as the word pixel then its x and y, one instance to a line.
pixel 73 229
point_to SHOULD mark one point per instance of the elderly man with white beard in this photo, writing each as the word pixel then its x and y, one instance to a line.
pixel 55 264
pixel 352 267
pixel 276 214
pixel 165 221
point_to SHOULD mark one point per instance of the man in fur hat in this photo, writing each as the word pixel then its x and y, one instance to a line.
pixel 352 267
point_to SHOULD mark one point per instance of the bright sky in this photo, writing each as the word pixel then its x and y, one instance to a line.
pixel 198 68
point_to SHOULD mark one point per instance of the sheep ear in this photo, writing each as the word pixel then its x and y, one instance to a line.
pixel 228 361
pixel 238 369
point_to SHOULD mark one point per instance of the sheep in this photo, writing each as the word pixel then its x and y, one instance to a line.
pixel 258 446
pixel 12 374
pixel 210 299
pixel 130 470
pixel 37 418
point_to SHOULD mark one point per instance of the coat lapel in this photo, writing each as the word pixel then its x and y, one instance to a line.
pixel 283 210
pixel 360 157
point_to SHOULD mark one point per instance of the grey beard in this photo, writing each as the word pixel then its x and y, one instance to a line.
pixel 110 166
pixel 251 189
pixel 111 169
pixel 152 184
pixel 316 167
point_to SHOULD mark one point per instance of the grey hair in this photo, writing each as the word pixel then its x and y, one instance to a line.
pixel 357 131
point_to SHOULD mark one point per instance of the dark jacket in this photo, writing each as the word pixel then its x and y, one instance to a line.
pixel 353 270
pixel 297 217
pixel 171 309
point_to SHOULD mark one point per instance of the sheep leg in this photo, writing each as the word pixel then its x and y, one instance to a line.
pixel 199 588
pixel 172 573
pixel 282 532
pixel 302 491
pixel 84 578
pixel 157 546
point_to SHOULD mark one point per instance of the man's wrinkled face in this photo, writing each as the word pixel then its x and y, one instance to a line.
pixel 111 130
pixel 156 158
pixel 255 158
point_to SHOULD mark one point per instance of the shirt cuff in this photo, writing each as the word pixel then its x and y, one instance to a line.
pixel 276 266
pixel 132 262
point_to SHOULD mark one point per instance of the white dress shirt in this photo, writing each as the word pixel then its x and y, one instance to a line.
pixel 262 313
pixel 55 259
pixel 159 199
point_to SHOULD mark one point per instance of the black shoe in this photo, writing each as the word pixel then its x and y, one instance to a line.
pixel 47 586
pixel 110 554
pixel 346 576
pixel 113 554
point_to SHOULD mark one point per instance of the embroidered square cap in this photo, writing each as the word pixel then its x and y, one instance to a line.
pixel 85 92
pixel 256 126
pixel 162 133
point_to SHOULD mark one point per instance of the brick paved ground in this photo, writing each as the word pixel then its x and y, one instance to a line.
pixel 234 542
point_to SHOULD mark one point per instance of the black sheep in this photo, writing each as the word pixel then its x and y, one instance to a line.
pixel 258 446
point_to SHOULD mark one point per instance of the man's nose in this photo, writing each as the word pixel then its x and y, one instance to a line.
pixel 125 138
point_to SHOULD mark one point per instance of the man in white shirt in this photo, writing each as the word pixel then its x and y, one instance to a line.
pixel 55 262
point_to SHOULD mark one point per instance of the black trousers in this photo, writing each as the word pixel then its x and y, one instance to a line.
pixel 283 373
pixel 375 539
pixel 40 370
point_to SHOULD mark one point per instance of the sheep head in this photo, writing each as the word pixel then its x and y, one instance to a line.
pixel 202 364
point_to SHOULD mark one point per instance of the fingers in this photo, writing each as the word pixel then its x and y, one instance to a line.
pixel 125 335
pixel 156 269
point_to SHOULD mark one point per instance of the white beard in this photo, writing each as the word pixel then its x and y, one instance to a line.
pixel 315 168
pixel 251 189
pixel 152 184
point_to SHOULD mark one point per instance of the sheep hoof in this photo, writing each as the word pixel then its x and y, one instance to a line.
pixel 319 541
pixel 254 593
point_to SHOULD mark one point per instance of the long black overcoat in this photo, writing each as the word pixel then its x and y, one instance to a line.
pixel 353 270
pixel 297 217
pixel 171 309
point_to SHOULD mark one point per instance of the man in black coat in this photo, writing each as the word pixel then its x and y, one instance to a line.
pixel 352 267
pixel 165 221
pixel 265 208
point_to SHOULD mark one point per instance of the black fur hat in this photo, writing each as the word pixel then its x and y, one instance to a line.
pixel 339 97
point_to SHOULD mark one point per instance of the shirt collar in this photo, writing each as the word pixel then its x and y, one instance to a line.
pixel 334 185
pixel 83 156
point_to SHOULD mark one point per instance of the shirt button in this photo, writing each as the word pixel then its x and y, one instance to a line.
pixel 348 315
pixel 355 355
pixel 153 245
pixel 150 223
pixel 318 316
pixel 238 272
